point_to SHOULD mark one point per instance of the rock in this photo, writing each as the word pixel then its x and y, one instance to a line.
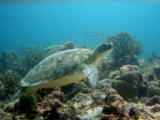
pixel 27 103
pixel 108 118
pixel 129 68
pixel 104 68
pixel 58 94
pixel 68 45
pixel 153 100
pixel 126 90
pixel 150 77
pixel 73 89
pixel 55 103
pixel 97 97
pixel 45 91
pixel 133 77
pixel 156 71
pixel 115 104
pixel 134 113
pixel 53 114
pixel 79 97
pixel 104 85
pixel 107 110
pixel 114 74
pixel 113 97
pixel 153 88
pixel 141 90
pixel 130 78
pixel 155 108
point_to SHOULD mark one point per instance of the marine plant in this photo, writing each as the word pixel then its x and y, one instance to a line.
pixel 29 60
pixel 8 60
pixel 125 49
pixel 10 81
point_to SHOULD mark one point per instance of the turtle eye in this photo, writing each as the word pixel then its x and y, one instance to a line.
pixel 109 46
pixel 103 47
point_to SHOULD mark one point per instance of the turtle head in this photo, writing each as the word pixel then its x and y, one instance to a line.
pixel 102 50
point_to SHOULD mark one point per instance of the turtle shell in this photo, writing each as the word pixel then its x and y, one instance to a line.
pixel 55 66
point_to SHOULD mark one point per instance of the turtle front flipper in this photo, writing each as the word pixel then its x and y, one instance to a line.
pixel 92 74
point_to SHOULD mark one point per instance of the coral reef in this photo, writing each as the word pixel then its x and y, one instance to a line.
pixel 116 104
pixel 29 60
pixel 129 80
pixel 10 81
pixel 104 68
pixel 153 88
pixel 125 90
pixel 8 60
pixel 153 100
pixel 125 49
pixel 156 71
pixel 52 107
pixel 73 89
pixel 13 67
pixel 27 101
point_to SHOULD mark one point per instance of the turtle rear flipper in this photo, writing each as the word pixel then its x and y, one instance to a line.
pixel 92 74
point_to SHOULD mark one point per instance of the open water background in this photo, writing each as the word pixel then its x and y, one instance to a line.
pixel 47 23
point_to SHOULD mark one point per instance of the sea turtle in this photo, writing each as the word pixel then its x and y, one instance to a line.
pixel 66 67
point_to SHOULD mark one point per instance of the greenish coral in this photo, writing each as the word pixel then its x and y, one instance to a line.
pixel 12 69
pixel 29 60
pixel 125 49
pixel 8 60
pixel 10 81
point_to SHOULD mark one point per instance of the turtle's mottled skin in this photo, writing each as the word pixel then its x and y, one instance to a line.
pixel 55 66
pixel 64 67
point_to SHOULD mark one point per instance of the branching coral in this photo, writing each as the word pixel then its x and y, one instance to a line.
pixel 125 49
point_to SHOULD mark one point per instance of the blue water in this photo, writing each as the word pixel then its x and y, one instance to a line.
pixel 25 24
